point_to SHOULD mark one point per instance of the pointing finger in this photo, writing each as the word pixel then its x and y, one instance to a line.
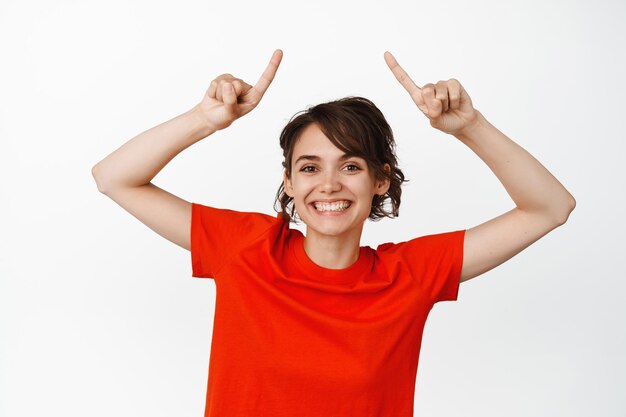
pixel 404 79
pixel 400 74
pixel 268 75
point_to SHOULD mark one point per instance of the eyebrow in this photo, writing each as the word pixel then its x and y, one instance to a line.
pixel 317 158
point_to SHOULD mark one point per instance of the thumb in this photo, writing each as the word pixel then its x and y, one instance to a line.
pixel 229 97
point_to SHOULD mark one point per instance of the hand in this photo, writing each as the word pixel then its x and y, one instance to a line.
pixel 446 104
pixel 228 98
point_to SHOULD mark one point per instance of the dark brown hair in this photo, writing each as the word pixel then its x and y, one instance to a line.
pixel 356 126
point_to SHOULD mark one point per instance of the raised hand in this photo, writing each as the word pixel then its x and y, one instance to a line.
pixel 446 104
pixel 228 98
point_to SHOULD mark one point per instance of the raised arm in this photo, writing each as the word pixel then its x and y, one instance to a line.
pixel 542 203
pixel 125 175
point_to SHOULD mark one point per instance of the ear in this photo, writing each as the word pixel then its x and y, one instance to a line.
pixel 383 186
pixel 287 185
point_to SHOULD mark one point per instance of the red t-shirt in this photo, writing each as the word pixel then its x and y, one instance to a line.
pixel 294 339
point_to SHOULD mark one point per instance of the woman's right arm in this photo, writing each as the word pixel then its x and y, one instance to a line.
pixel 125 175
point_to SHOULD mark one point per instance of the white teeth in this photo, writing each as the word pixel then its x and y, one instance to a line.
pixel 338 206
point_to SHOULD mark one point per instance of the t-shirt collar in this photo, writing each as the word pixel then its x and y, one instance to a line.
pixel 319 273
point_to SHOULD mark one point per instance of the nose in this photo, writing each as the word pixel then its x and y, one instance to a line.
pixel 329 182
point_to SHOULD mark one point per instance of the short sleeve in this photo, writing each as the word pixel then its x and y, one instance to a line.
pixel 435 261
pixel 216 234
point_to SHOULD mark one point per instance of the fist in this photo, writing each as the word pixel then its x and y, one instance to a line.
pixel 226 99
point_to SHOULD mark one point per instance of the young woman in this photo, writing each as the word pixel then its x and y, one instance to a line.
pixel 318 325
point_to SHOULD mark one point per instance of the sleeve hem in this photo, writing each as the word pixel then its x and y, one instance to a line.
pixel 197 270
pixel 451 292
pixel 458 266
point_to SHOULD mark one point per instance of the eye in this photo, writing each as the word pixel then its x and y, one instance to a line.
pixel 357 168
pixel 305 168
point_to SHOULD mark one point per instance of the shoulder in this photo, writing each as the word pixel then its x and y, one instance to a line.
pixel 230 226
pixel 232 217
pixel 434 261
pixel 218 234
pixel 425 244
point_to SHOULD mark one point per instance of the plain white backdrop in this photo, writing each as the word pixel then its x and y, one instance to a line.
pixel 100 316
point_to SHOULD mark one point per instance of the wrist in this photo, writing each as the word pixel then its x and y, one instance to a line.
pixel 470 130
pixel 201 125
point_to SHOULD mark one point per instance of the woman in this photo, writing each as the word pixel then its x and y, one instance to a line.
pixel 319 325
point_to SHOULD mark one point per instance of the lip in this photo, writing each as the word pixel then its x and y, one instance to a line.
pixel 329 213
pixel 331 201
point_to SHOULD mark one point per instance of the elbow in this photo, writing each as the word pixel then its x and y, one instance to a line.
pixel 95 175
pixel 562 219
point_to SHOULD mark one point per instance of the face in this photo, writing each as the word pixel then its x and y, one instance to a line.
pixel 321 174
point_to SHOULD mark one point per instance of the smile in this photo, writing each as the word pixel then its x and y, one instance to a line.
pixel 335 206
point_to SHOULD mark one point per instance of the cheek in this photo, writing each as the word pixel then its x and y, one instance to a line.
pixel 361 189
pixel 301 186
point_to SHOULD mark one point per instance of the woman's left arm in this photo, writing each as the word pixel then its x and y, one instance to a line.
pixel 542 203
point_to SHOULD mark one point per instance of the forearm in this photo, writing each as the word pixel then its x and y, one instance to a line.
pixel 531 186
pixel 138 161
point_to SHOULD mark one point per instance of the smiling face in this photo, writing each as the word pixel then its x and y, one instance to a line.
pixel 332 191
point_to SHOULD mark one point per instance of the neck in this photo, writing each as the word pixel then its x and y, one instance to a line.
pixel 333 252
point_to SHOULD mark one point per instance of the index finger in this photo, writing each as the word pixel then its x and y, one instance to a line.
pixel 400 74
pixel 268 75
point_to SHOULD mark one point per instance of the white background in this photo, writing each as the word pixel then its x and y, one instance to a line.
pixel 100 316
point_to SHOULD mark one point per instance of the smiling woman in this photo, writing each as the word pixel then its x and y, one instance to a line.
pixel 318 325
pixel 355 126
pixel 330 197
